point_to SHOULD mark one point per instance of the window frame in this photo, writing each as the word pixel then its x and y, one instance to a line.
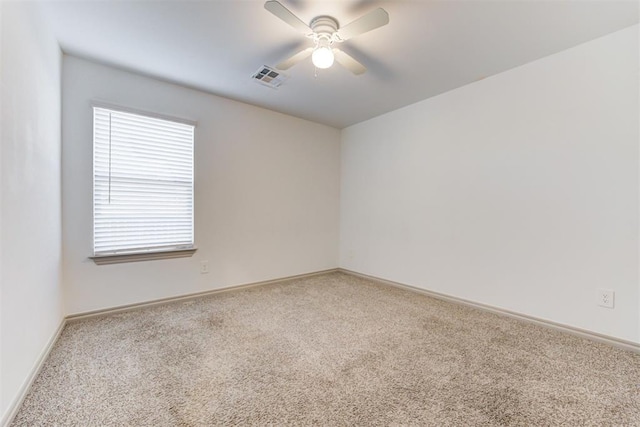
pixel 135 255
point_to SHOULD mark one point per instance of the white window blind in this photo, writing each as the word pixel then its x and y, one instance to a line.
pixel 142 183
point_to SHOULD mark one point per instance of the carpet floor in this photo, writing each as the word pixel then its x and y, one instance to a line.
pixel 328 350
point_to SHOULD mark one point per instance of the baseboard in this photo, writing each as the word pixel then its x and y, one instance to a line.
pixel 186 297
pixel 14 406
pixel 593 336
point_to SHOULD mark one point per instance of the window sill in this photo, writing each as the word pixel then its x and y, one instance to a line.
pixel 143 256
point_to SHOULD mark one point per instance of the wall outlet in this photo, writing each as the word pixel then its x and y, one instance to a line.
pixel 606 298
pixel 204 267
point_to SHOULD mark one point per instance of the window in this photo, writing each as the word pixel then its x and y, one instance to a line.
pixel 142 186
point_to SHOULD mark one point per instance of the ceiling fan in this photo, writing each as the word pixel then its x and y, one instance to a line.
pixel 325 31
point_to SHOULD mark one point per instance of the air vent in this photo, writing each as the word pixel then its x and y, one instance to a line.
pixel 269 77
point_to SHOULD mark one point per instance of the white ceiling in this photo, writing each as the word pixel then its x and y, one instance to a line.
pixel 429 47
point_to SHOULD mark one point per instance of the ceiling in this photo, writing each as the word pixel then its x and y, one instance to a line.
pixel 429 47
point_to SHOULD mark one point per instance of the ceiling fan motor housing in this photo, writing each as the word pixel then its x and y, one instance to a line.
pixel 324 27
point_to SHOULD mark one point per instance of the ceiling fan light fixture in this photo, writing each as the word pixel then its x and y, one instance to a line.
pixel 324 30
pixel 322 57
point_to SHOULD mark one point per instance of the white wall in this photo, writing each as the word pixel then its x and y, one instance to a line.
pixel 267 192
pixel 30 213
pixel 519 191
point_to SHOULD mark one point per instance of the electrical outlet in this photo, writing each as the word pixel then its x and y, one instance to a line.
pixel 204 267
pixel 606 298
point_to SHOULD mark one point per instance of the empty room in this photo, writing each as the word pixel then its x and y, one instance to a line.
pixel 305 212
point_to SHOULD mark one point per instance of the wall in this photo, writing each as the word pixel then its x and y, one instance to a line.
pixel 519 191
pixel 266 192
pixel 30 212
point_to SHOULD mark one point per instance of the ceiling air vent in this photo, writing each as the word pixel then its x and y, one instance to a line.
pixel 269 77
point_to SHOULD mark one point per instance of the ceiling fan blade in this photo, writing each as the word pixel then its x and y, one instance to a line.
pixel 348 62
pixel 285 14
pixel 290 62
pixel 368 22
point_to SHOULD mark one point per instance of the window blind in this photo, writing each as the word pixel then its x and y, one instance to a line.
pixel 142 183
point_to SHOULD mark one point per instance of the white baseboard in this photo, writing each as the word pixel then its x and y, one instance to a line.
pixel 594 336
pixel 12 410
pixel 161 301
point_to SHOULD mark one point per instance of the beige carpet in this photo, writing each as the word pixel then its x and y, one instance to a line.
pixel 328 350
